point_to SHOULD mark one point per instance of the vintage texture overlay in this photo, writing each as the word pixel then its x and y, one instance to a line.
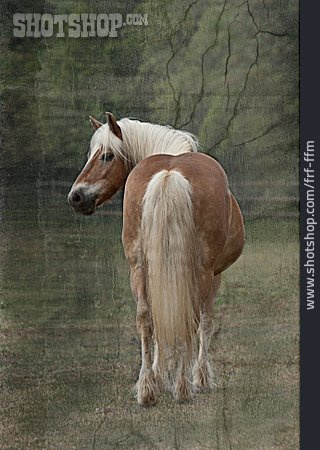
pixel 224 70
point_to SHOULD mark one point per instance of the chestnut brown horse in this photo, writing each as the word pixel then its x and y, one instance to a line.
pixel 182 228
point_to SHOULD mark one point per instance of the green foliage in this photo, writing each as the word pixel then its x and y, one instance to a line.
pixel 227 72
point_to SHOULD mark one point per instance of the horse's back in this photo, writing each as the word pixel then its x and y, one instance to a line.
pixel 217 216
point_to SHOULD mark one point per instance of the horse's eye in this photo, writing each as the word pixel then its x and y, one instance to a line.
pixel 106 157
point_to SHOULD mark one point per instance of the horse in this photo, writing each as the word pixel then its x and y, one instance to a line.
pixel 182 228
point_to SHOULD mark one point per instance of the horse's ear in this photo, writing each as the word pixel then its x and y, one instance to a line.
pixel 95 123
pixel 114 127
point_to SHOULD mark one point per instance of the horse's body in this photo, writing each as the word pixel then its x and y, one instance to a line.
pixel 181 228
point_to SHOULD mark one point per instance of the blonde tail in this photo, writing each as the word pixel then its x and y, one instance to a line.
pixel 169 243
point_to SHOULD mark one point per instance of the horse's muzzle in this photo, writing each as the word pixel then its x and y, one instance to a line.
pixel 81 201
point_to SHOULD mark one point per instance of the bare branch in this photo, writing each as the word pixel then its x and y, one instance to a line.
pixel 267 131
pixel 173 55
pixel 244 87
pixel 229 46
pixel 228 98
pixel 210 47
pixel 252 16
pixel 273 33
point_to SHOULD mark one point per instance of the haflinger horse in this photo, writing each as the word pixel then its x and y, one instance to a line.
pixel 182 228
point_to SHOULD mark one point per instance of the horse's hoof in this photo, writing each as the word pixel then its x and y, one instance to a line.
pixel 146 389
pixel 183 391
pixel 160 380
pixel 203 377
pixel 146 402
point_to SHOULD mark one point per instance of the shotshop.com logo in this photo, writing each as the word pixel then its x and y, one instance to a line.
pixel 73 25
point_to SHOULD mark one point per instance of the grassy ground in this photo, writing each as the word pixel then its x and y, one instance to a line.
pixel 70 355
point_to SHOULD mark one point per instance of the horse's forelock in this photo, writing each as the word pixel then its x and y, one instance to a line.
pixel 104 139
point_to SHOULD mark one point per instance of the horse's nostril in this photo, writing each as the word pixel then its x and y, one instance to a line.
pixel 76 198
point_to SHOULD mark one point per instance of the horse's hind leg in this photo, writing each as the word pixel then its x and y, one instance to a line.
pixel 202 372
pixel 159 372
pixel 183 388
pixel 145 386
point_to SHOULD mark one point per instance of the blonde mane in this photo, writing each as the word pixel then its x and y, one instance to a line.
pixel 142 139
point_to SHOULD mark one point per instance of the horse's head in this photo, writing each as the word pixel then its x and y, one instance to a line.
pixel 105 171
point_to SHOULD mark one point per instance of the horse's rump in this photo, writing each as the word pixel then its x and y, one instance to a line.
pixel 216 214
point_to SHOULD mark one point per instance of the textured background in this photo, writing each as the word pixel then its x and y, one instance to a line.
pixel 228 72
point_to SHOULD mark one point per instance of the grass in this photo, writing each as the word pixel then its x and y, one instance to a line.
pixel 70 355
